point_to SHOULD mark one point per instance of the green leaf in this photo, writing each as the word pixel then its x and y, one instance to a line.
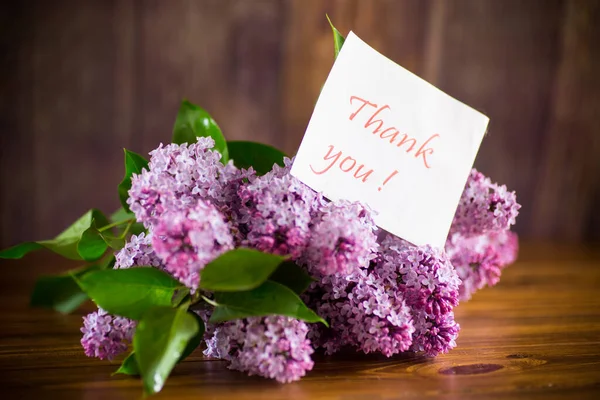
pixel 192 122
pixel 109 263
pixel 130 292
pixel 93 242
pixel 66 243
pixel 20 250
pixel 338 39
pixel 122 215
pixel 180 296
pixel 134 163
pixel 114 242
pixel 196 340
pixel 83 223
pixel 92 245
pixel 259 156
pixel 160 338
pixel 61 292
pixel 290 274
pixel 239 269
pixel 270 298
pixel 129 366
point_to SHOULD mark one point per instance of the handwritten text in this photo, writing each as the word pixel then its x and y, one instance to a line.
pixel 373 114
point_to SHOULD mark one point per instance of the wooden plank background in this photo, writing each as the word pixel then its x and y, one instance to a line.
pixel 79 80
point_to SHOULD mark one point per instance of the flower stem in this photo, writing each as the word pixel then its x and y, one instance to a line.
pixel 126 230
pixel 106 227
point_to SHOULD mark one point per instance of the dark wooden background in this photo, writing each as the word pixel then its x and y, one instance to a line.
pixel 79 80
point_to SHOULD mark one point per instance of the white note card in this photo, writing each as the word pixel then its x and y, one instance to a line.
pixel 381 135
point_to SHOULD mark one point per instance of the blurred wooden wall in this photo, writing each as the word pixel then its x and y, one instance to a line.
pixel 79 80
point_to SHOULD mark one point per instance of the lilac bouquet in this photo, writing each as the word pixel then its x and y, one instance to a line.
pixel 218 246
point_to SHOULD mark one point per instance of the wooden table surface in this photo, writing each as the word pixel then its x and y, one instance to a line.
pixel 534 336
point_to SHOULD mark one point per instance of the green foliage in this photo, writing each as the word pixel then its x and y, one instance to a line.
pixel 289 274
pixel 83 223
pixel 160 339
pixel 92 245
pixel 134 164
pixel 338 39
pixel 270 298
pixel 125 217
pixel 130 292
pixel 238 269
pixel 121 215
pixel 78 242
pixel 196 340
pixel 21 249
pixel 244 282
pixel 61 292
pixel 128 366
pixel 192 122
pixel 259 156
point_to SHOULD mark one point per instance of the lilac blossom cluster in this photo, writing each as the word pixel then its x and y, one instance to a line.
pixel 484 207
pixel 479 259
pixel 106 336
pixel 187 240
pixel 273 347
pixel 138 252
pixel 342 239
pixel 180 175
pixel 402 301
pixel 378 293
pixel 275 213
pixel 480 243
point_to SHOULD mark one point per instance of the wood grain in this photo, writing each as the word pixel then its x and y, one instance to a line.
pixel 79 80
pixel 480 66
pixel 534 336
pixel 574 113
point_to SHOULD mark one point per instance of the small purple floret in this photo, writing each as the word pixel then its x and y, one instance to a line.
pixel 484 206
pixel 105 336
pixel 189 239
pixel 275 212
pixel 430 286
pixel 479 259
pixel 271 347
pixel 343 239
pixel 178 176
pixel 138 252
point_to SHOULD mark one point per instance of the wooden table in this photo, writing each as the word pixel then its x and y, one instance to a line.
pixel 534 336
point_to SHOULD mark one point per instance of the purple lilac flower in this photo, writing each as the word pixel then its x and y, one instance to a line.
pixel 180 175
pixel 484 206
pixel 229 182
pixel 430 287
pixel 138 252
pixel 189 239
pixel 479 260
pixel 275 212
pixel 106 336
pixel 403 300
pixel 435 335
pixel 273 347
pixel 343 238
pixel 362 314
pixel 508 244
